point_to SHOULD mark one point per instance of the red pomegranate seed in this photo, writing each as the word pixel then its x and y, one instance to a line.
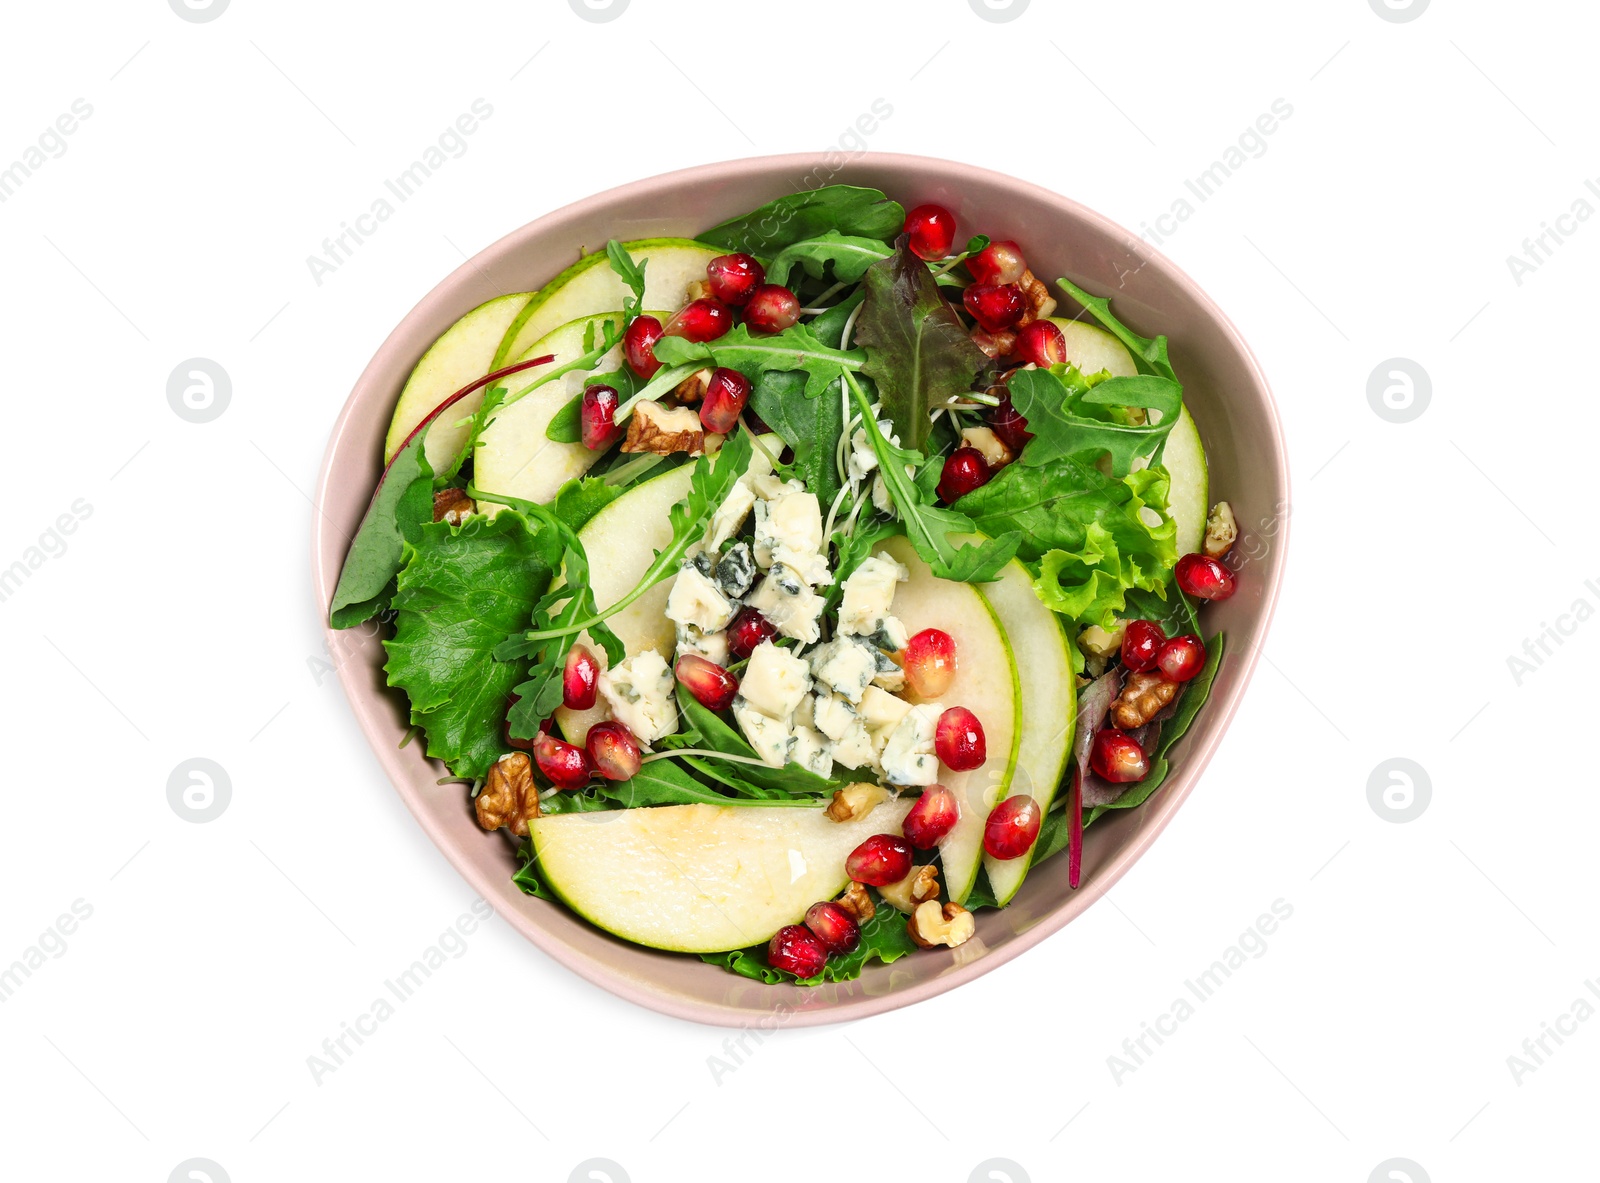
pixel 932 229
pixel 771 309
pixel 613 751
pixel 724 400
pixel 965 469
pixel 1040 343
pixel 995 306
pixel 999 262
pixel 1181 658
pixel 833 926
pixel 1141 641
pixel 931 818
pixel 597 417
pixel 1204 578
pixel 959 740
pixel 880 860
pixel 563 765
pixel 639 345
pixel 795 949
pixel 1117 757
pixel 930 662
pixel 1009 424
pixel 734 277
pixel 705 319
pixel 581 680
pixel 748 629
pixel 1012 828
pixel 712 686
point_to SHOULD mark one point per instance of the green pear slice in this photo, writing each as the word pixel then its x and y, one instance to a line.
pixel 701 878
pixel 985 683
pixel 1049 704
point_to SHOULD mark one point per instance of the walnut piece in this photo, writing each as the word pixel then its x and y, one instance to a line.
pixel 693 388
pixel 509 797
pixel 994 450
pixel 995 344
pixel 919 887
pixel 1144 696
pixel 453 506
pixel 855 801
pixel 1221 531
pixel 663 430
pixel 1100 642
pixel 1040 303
pixel 932 925
pixel 858 903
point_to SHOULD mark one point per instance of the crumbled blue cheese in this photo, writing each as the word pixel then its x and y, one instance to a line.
pixel 892 636
pixel 812 752
pixel 812 566
pixel 862 459
pixel 887 674
pixel 711 646
pixel 908 755
pixel 696 600
pixel 735 572
pixel 736 506
pixel 791 522
pixel 785 599
pixel 771 738
pixel 639 693
pixel 854 748
pixel 775 680
pixel 846 665
pixel 868 593
pixel 881 712
pixel 805 715
pixel 830 714
pixel 770 488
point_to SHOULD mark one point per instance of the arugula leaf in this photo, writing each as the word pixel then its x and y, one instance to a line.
pixel 660 782
pixel 845 209
pixel 884 938
pixel 402 502
pixel 848 255
pixel 1068 414
pixel 632 274
pixel 917 350
pixel 795 349
pixel 1149 355
pixel 461 590
pixel 811 426
pixel 704 728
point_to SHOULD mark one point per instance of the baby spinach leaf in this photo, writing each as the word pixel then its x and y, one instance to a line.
pixel 402 502
pixel 844 209
pixel 884 938
pixel 847 255
pixel 810 426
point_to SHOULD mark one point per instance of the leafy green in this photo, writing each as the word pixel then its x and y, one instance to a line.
pixel 811 426
pixel 631 274
pixel 1071 415
pixel 1136 794
pixel 1194 697
pixel 402 502
pixel 918 352
pixel 660 782
pixel 462 589
pixel 794 349
pixel 527 876
pixel 1088 585
pixel 854 550
pixel 580 499
pixel 566 425
pixel 703 728
pixel 849 257
pixel 844 209
pixel 883 938
pixel 1149 355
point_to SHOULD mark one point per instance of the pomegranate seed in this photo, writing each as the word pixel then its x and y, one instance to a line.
pixel 614 751
pixel 597 416
pixel 734 277
pixel 581 679
pixel 747 630
pixel 959 740
pixel 965 469
pixel 724 400
pixel 1012 828
pixel 880 860
pixel 995 306
pixel 771 309
pixel 930 662
pixel 700 320
pixel 833 926
pixel 1181 658
pixel 639 345
pixel 795 949
pixel 931 818
pixel 563 765
pixel 999 262
pixel 1117 757
pixel 1040 343
pixel 712 686
pixel 1009 424
pixel 1204 578
pixel 1141 641
pixel 932 229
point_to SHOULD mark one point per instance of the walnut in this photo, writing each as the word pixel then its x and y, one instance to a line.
pixel 1040 303
pixel 698 289
pixel 693 388
pixel 658 429
pixel 858 903
pixel 917 888
pixel 855 801
pixel 1221 531
pixel 453 506
pixel 1144 696
pixel 995 452
pixel 995 344
pixel 509 797
pixel 932 925
pixel 1101 643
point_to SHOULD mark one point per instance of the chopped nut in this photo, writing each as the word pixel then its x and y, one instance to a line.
pixel 509 797
pixel 995 452
pixel 932 925
pixel 658 429
pixel 1100 642
pixel 858 903
pixel 916 888
pixel 855 801
pixel 698 289
pixel 995 344
pixel 1144 696
pixel 1040 303
pixel 453 506
pixel 693 388
pixel 1221 531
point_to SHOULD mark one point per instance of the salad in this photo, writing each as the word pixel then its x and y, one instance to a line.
pixel 787 593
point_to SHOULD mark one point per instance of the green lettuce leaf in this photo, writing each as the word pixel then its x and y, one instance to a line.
pixel 843 209
pixel 848 257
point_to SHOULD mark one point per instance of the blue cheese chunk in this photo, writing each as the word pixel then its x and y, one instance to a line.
pixel 771 738
pixel 881 711
pixel 832 715
pixel 908 755
pixel 868 593
pixel 786 600
pixel 810 565
pixel 711 646
pixel 846 665
pixel 696 600
pixel 775 681
pixel 811 751
pixel 735 572
pixel 791 522
pixel 854 748
pixel 639 693
pixel 736 506
pixel 887 674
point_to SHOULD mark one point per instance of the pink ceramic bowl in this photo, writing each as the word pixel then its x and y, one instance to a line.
pixel 1223 386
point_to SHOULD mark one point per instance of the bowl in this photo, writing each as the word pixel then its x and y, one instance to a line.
pixel 1223 386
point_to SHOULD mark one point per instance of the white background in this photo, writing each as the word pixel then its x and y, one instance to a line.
pixel 178 622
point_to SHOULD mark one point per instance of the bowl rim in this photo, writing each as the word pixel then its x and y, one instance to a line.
pixel 1219 716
